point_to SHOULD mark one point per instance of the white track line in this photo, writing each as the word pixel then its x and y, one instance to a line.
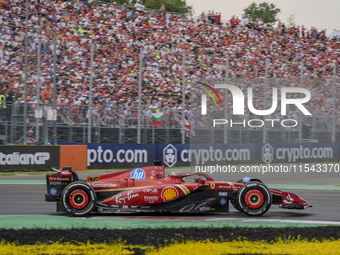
pixel 276 220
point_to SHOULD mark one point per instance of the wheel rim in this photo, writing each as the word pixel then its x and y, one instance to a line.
pixel 78 199
pixel 254 199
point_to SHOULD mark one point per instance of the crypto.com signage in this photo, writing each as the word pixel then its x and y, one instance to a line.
pixel 238 104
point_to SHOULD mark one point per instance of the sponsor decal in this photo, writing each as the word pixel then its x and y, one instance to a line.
pixel 246 179
pixel 267 153
pixel 224 187
pixel 93 179
pixel 53 191
pixel 58 183
pixel 167 178
pixel 15 158
pixel 60 179
pixel 169 194
pixel 158 167
pixel 204 209
pixel 150 199
pixel 288 199
pixel 153 173
pixel 137 174
pixel 152 191
pixel 120 199
pixel 223 201
pixel 103 185
pixel 223 194
pixel 296 154
pixel 170 155
pixel 105 155
pixel 212 185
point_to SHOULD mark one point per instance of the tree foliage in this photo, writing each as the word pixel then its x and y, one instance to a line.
pixel 179 6
pixel 267 12
pixel 291 20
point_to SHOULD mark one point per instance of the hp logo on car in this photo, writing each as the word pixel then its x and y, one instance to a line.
pixel 246 179
pixel 138 174
pixel 223 201
pixel 53 191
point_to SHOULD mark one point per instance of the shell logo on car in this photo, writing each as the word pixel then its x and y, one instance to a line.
pixel 169 194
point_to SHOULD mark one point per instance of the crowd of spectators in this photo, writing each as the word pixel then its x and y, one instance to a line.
pixel 118 35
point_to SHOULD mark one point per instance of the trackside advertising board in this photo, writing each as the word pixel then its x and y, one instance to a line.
pixel 104 155
pixel 23 158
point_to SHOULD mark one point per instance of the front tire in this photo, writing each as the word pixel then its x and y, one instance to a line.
pixel 254 199
pixel 78 198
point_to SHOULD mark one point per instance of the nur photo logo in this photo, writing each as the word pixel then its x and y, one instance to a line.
pixel 238 102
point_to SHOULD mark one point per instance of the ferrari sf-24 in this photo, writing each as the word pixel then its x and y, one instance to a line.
pixel 148 189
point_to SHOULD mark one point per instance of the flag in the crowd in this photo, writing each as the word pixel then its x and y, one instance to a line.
pixel 190 126
pixel 157 119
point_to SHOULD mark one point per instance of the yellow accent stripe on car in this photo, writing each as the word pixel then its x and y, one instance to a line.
pixel 184 189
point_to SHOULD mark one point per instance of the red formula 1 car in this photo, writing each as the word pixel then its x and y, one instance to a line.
pixel 148 189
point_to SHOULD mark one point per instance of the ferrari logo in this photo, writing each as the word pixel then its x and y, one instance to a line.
pixel 212 185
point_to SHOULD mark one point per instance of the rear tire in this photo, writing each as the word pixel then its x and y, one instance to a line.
pixel 254 198
pixel 78 198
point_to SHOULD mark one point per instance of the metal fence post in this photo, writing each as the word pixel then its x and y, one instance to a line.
pixel 37 129
pixel 264 140
pixel 300 118
pixel 140 93
pixel 69 114
pixel 90 96
pixel 226 99
pixel 55 84
pixel 26 75
pixel 334 106
pixel 183 100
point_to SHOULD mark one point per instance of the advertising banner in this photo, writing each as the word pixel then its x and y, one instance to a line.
pixel 23 158
pixel 103 155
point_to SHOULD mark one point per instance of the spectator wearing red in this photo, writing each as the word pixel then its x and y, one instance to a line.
pixel 203 17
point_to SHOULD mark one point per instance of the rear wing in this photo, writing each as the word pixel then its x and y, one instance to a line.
pixel 57 182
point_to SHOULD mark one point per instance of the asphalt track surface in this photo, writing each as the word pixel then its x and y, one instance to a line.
pixel 28 199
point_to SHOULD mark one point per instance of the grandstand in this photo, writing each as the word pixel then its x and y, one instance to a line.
pixel 117 34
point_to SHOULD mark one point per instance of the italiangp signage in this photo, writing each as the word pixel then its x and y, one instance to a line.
pixel 22 158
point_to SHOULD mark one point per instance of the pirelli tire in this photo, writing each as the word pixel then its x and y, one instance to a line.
pixel 254 198
pixel 78 198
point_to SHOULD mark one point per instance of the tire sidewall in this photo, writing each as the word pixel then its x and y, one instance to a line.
pixel 267 197
pixel 68 190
